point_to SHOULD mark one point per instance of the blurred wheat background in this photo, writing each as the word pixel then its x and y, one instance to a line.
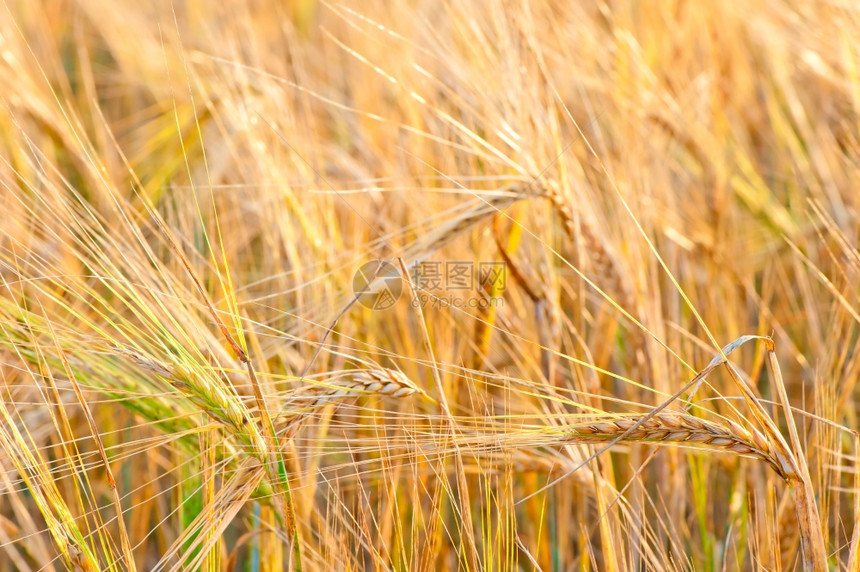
pixel 190 382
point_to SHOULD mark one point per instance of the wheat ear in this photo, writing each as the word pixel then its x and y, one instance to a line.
pixel 337 386
pixel 354 383
pixel 672 428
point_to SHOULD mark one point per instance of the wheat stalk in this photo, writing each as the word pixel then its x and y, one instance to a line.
pixel 216 401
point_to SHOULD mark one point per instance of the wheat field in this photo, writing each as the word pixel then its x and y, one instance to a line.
pixel 473 285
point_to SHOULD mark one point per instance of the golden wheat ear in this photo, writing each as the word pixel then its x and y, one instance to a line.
pixel 355 383
pixel 338 387
pixel 670 428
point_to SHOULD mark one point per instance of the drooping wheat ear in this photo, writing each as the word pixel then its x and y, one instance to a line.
pixel 341 385
pixel 672 428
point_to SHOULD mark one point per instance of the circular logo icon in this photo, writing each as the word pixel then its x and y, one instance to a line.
pixel 377 285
